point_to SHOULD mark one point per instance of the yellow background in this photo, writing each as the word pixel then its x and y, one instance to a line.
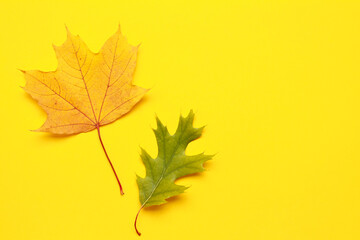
pixel 276 83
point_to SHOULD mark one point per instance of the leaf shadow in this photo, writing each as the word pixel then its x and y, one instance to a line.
pixel 158 208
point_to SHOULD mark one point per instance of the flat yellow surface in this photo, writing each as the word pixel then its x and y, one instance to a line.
pixel 276 83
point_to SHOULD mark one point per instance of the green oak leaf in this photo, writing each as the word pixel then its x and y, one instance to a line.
pixel 170 164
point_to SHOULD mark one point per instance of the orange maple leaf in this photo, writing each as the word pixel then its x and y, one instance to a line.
pixel 87 90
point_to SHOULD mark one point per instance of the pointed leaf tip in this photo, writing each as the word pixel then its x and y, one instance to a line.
pixel 159 124
pixel 67 29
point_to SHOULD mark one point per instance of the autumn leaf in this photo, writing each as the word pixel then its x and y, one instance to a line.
pixel 170 164
pixel 87 90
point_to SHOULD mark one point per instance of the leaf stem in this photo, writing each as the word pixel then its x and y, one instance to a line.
pixel 107 156
pixel 137 215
